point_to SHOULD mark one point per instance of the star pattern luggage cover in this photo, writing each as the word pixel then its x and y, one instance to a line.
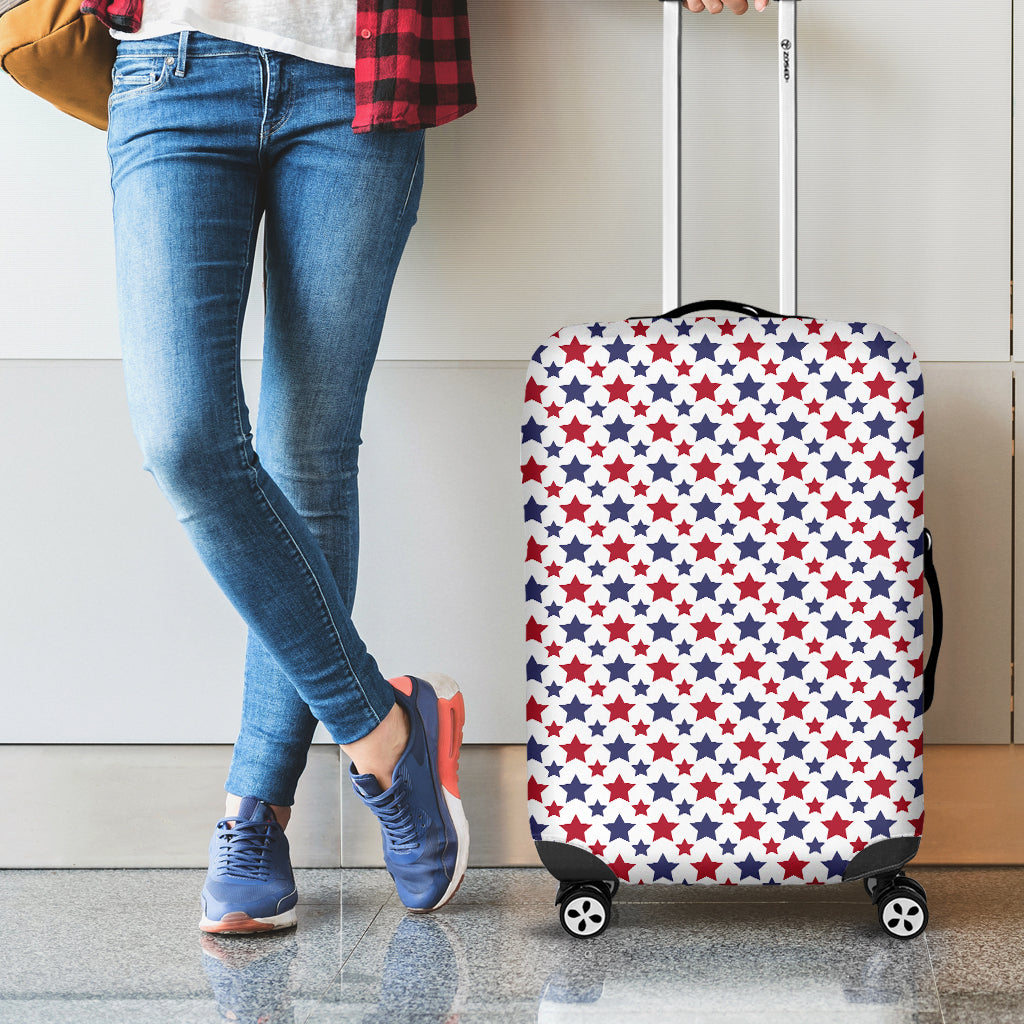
pixel 725 595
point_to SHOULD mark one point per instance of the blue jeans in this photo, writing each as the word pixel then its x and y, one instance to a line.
pixel 206 138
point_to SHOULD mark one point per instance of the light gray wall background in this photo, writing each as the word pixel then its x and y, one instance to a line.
pixel 541 208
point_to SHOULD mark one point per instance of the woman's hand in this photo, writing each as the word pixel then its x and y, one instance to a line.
pixel 717 6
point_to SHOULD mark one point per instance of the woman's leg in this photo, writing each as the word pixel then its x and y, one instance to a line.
pixel 188 171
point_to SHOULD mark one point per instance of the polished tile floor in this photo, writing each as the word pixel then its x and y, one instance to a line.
pixel 122 946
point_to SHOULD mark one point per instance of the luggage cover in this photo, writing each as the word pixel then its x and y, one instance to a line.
pixel 725 595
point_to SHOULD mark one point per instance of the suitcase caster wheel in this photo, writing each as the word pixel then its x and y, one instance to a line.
pixel 585 911
pixel 875 886
pixel 903 911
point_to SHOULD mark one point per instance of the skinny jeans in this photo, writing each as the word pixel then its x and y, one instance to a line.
pixel 207 138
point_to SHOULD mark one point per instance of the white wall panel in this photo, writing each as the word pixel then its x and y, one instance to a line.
pixel 904 166
pixel 543 206
pixel 969 509
pixel 110 629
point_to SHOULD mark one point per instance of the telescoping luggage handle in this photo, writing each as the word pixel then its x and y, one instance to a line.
pixel 671 142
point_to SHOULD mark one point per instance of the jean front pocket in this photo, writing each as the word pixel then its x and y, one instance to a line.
pixel 137 74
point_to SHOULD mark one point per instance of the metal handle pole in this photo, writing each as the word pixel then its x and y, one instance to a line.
pixel 670 213
pixel 787 158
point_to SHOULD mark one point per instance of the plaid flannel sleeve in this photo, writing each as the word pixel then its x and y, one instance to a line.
pixel 413 67
pixel 123 15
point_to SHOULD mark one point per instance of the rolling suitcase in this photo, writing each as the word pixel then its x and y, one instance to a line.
pixel 725 571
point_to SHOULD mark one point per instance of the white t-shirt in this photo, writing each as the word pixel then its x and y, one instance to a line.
pixel 320 30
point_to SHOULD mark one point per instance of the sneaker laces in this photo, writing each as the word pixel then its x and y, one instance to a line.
pixel 396 819
pixel 244 848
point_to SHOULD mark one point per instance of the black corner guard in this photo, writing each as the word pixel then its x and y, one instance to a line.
pixel 881 858
pixel 571 864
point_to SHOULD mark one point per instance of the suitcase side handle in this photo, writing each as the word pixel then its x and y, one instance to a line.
pixel 932 579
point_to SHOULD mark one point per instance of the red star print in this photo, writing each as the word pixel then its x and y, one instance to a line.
pixel 879 388
pixel 793 866
pixel 836 348
pixel 619 709
pixel 618 470
pixel 793 786
pixel 835 427
pixel 880 466
pixel 706 708
pixel 792 388
pixel 661 349
pixel 575 669
pixel 792 467
pixel 749 508
pixel 619 549
pixel 575 830
pixel 534 630
pixel 576 590
pixel 705 388
pixel 705 548
pixel 662 430
pixel 750 747
pixel 750 828
pixel 575 351
pixel 836 746
pixel 836 507
pixel 748 348
pixel 707 788
pixel 836 666
pixel 662 749
pixel 749 427
pixel 707 868
pixel 534 391
pixel 880 625
pixel 837 826
pixel 618 390
pixel 880 706
pixel 793 707
pixel 662 589
pixel 663 509
pixel 749 668
pixel 575 510
pixel 706 469
pixel 663 828
pixel 621 868
pixel 663 668
pixel 575 749
pixel 880 785
pixel 619 789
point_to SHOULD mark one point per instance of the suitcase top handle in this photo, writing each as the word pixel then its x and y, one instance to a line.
pixel 725 305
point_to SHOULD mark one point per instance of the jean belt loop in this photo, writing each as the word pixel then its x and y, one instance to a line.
pixel 179 69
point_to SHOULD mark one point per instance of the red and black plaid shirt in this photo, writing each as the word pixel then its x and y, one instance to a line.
pixel 413 68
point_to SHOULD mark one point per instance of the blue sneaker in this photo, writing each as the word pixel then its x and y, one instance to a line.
pixel 426 836
pixel 249 887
